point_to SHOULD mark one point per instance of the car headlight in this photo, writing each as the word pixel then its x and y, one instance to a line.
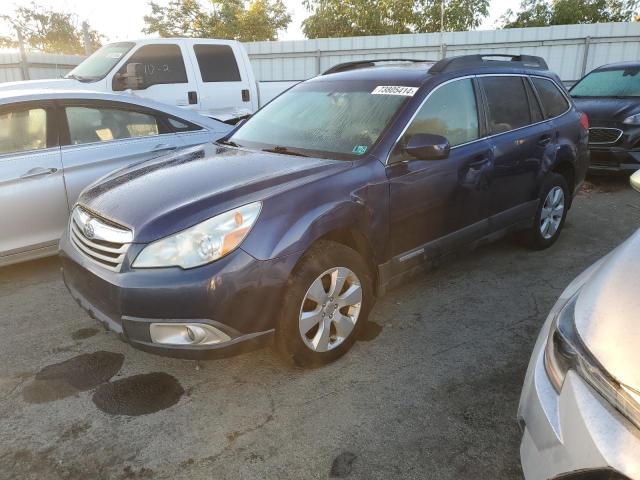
pixel 632 120
pixel 203 243
pixel 565 351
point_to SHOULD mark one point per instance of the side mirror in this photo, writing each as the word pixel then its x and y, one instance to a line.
pixel 425 146
pixel 635 181
pixel 133 78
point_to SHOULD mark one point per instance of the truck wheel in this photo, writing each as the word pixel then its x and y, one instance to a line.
pixel 551 213
pixel 328 298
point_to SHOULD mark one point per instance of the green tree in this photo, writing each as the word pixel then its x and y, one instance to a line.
pixel 47 30
pixel 542 13
pixel 340 18
pixel 232 19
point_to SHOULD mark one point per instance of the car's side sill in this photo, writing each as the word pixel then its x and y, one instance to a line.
pixel 45 250
pixel 407 265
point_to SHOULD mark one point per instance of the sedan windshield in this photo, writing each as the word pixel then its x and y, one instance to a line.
pixel 334 119
pixel 619 82
pixel 100 62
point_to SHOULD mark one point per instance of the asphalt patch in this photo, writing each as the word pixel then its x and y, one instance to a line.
pixel 138 395
pixel 78 374
pixel 342 465
pixel 84 333
pixel 369 331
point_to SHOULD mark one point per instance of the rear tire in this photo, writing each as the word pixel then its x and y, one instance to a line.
pixel 551 213
pixel 327 300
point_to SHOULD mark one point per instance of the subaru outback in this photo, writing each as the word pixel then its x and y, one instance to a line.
pixel 295 222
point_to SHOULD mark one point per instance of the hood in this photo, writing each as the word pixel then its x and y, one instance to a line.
pixel 607 314
pixel 170 193
pixel 603 110
pixel 57 83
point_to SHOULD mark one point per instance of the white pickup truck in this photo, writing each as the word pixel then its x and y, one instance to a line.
pixel 212 77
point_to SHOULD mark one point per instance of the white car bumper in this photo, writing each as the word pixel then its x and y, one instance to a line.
pixel 575 434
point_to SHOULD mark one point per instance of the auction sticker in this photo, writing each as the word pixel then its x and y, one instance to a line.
pixel 395 90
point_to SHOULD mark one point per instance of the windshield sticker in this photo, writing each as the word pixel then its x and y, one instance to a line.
pixel 395 90
pixel 359 149
pixel 114 55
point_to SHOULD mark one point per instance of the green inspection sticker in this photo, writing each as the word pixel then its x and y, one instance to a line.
pixel 359 149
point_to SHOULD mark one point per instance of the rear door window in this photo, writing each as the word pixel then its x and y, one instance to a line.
pixel 162 64
pixel 536 111
pixel 101 124
pixel 217 63
pixel 507 103
pixel 553 100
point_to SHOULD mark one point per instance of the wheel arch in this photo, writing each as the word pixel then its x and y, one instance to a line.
pixel 356 240
pixel 567 169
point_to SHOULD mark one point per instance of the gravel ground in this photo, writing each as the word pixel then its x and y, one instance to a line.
pixel 430 391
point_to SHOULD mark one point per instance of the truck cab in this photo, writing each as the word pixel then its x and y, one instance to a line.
pixel 213 77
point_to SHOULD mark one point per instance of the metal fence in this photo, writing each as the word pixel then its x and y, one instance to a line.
pixel 570 50
pixel 34 66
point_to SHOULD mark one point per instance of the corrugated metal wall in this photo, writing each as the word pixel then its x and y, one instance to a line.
pixel 39 65
pixel 570 50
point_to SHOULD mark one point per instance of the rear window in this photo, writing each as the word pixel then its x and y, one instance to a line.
pixel 507 103
pixel 217 63
pixel 553 100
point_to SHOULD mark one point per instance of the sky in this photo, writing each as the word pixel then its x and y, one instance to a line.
pixel 122 19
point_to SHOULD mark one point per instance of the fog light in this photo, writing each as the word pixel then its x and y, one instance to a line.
pixel 186 334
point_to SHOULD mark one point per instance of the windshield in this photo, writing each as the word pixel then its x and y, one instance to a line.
pixel 100 62
pixel 334 119
pixel 619 82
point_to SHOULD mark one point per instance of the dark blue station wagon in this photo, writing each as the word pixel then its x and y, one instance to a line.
pixel 296 221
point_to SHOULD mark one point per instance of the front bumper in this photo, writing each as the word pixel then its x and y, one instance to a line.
pixel 614 159
pixel 575 433
pixel 621 156
pixel 237 295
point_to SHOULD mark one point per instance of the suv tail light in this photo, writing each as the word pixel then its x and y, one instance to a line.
pixel 584 121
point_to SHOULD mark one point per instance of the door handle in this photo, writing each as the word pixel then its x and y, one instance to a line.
pixel 163 147
pixel 544 140
pixel 38 172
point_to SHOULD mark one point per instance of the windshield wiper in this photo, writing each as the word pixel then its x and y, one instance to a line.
pixel 284 151
pixel 79 78
pixel 230 143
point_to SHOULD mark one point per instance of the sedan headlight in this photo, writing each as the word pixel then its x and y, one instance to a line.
pixel 203 243
pixel 632 120
pixel 565 351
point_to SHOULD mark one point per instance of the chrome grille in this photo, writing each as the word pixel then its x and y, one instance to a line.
pixel 102 242
pixel 601 135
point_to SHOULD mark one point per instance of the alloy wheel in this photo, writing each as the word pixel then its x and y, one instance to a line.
pixel 552 212
pixel 330 309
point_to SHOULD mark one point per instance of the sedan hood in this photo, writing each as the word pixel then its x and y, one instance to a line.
pixel 603 111
pixel 167 194
pixel 607 313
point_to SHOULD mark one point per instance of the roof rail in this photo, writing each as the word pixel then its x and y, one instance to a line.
pixel 344 67
pixel 489 59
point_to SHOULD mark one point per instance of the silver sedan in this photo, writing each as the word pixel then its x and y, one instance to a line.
pixel 580 405
pixel 54 143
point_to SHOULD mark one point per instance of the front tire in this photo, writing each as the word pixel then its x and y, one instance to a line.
pixel 327 300
pixel 551 214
